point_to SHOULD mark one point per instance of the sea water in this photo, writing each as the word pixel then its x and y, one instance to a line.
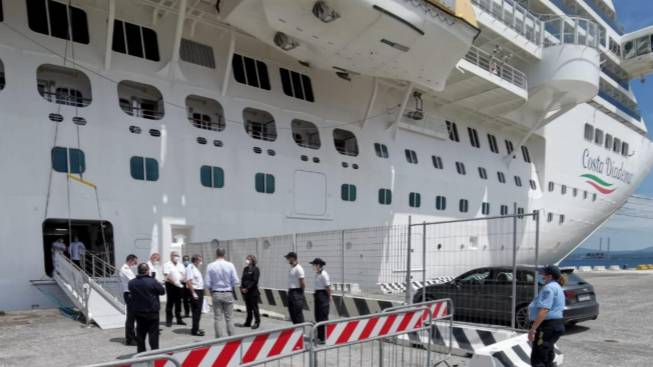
pixel 624 261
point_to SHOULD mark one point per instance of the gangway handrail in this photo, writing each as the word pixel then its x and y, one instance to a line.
pixel 77 285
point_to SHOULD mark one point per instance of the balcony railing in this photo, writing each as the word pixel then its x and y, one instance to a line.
pixel 611 21
pixel 497 67
pixel 514 16
pixel 634 113
pixel 62 98
pixel 571 30
pixel 613 76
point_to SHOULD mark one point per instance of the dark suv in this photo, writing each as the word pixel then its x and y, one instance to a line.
pixel 485 295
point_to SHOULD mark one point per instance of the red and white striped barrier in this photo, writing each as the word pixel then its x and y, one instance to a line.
pixel 235 351
pixel 361 329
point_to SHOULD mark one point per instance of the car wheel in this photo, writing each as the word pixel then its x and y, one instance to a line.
pixel 521 318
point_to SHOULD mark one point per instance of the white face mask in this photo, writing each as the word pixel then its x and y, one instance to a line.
pixel 247 262
pixel 175 259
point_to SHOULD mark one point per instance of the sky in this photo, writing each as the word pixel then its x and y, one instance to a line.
pixel 633 15
pixel 632 227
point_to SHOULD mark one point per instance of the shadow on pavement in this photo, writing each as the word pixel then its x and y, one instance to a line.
pixel 576 329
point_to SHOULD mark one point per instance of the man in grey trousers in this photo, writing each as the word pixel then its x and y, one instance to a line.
pixel 221 280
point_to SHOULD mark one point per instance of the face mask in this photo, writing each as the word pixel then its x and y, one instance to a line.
pixel 316 269
pixel 199 265
pixel 186 263
pixel 247 262
pixel 155 263
pixel 175 258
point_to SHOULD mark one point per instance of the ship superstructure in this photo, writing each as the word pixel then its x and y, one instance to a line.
pixel 139 125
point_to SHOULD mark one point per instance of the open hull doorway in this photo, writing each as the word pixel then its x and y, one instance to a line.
pixel 97 237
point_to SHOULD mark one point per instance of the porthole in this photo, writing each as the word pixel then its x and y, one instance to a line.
pixel 55 117
pixel 345 164
pixel 134 129
pixel 217 143
pixel 354 166
pixel 154 132
pixel 304 158
pixel 316 160
pixel 79 121
pixel 257 150
pixel 201 140
pixel 271 152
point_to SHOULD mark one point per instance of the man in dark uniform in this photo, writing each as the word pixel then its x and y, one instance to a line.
pixel 144 292
pixel 249 290
pixel 322 295
pixel 296 286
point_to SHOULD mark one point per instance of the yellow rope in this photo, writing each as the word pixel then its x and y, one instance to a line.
pixel 82 181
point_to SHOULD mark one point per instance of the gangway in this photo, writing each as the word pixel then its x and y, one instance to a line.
pixel 87 293
pixel 637 52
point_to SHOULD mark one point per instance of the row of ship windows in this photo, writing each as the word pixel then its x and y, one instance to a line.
pixel 71 160
pixel 475 142
pixel 606 140
pixel 142 100
pixel 61 21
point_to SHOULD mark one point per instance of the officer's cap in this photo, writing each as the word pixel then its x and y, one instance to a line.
pixel 291 254
pixel 318 261
pixel 552 270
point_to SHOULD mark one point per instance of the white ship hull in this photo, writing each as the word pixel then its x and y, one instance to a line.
pixel 147 216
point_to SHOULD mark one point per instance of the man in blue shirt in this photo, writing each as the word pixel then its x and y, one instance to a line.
pixel 221 280
pixel 545 313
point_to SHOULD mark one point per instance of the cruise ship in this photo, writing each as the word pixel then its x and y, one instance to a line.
pixel 138 125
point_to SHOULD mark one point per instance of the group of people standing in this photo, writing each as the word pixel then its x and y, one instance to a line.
pixel 182 280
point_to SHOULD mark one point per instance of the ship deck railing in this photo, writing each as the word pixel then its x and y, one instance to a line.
pixel 515 16
pixel 571 31
pixel 497 67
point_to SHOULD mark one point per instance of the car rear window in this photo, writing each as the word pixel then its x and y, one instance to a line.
pixel 573 279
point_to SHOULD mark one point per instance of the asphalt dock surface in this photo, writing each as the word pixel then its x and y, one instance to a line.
pixel 621 336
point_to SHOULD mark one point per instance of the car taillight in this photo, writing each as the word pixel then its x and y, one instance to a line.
pixel 570 294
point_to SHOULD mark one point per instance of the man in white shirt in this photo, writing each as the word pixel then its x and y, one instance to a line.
pixel 195 286
pixel 126 274
pixel 221 280
pixel 175 276
pixel 153 265
pixel 59 247
pixel 76 250
pixel 296 287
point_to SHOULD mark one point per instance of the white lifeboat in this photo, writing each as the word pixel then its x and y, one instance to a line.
pixel 414 40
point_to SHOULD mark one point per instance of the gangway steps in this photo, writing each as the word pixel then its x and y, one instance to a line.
pixel 88 296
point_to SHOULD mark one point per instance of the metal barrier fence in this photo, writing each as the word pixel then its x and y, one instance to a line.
pixel 441 314
pixel 151 361
pixel 282 347
pixel 365 259
pixel 373 340
pixel 399 337
pixel 484 253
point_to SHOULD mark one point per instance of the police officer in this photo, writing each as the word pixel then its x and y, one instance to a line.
pixel 296 286
pixel 322 295
pixel 545 314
